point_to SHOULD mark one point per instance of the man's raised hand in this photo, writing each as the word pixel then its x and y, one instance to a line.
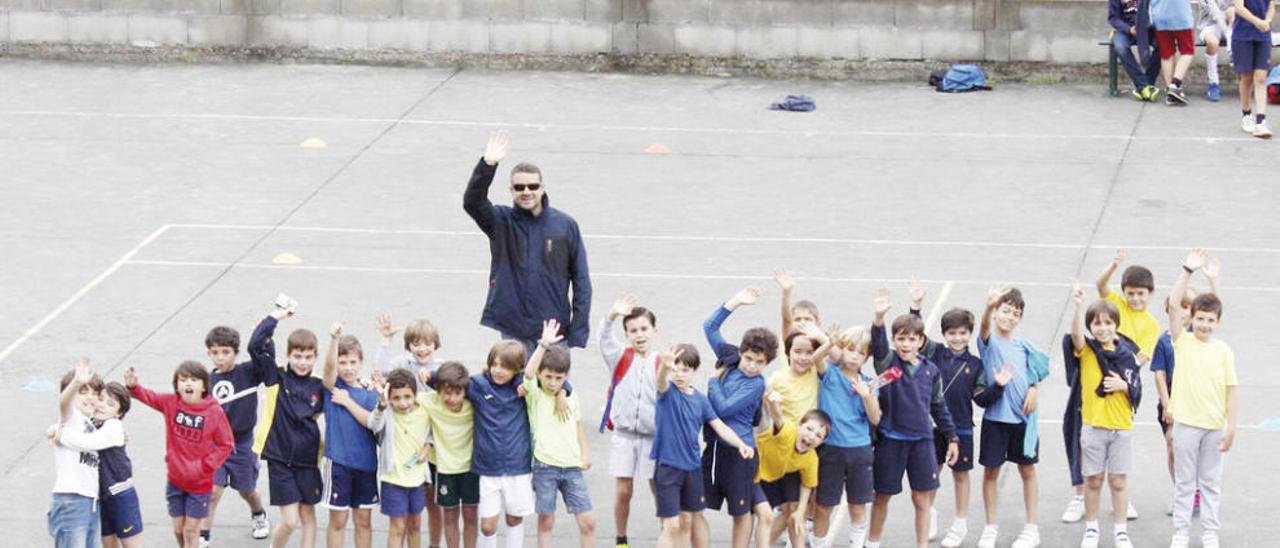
pixel 498 146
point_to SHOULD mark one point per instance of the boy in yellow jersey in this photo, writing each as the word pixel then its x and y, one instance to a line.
pixel 1103 372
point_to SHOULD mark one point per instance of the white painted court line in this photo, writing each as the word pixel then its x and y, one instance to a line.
pixel 634 275
pixel 53 315
pixel 731 239
pixel 626 128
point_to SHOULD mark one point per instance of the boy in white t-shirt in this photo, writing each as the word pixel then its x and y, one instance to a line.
pixel 73 512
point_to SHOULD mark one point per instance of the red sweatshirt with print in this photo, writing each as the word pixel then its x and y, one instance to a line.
pixel 198 438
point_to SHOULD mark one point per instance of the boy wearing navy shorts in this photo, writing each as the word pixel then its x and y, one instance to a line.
pixel 680 414
pixel 906 442
pixel 1251 55
pixel 350 469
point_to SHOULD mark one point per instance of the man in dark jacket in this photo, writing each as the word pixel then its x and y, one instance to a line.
pixel 536 254
pixel 1131 26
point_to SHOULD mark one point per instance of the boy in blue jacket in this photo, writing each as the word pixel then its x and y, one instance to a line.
pixel 1131 26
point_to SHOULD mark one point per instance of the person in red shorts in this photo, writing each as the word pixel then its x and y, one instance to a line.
pixel 1174 23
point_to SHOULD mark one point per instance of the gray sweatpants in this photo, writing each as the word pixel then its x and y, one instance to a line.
pixel 1197 464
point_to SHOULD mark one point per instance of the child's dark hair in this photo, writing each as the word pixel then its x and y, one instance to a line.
pixel 807 306
pixel 791 339
pixel 349 344
pixel 1102 307
pixel 688 356
pixel 908 324
pixel 507 354
pixel 818 415
pixel 640 312
pixel 957 318
pixel 762 340
pixel 301 340
pixel 401 378
pixel 1207 302
pixel 421 332
pixel 95 383
pixel 121 395
pixel 222 336
pixel 451 375
pixel 1138 276
pixel 555 360
pixel 192 369
pixel 1012 297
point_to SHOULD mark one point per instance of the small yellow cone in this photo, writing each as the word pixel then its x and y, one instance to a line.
pixel 657 148
pixel 287 258
pixel 314 142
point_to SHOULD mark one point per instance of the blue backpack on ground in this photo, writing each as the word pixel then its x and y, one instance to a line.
pixel 795 103
pixel 960 78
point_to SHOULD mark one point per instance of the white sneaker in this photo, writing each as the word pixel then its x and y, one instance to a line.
pixel 989 535
pixel 204 542
pixel 1209 540
pixel 1261 131
pixel 955 535
pixel 1074 511
pixel 1180 540
pixel 933 524
pixel 1132 513
pixel 1028 538
pixel 1090 539
pixel 261 526
pixel 1122 540
pixel 1247 123
pixel 857 536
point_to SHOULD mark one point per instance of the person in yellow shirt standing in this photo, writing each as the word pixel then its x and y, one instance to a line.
pixel 403 460
pixel 1103 373
pixel 788 470
pixel 452 428
pixel 1203 409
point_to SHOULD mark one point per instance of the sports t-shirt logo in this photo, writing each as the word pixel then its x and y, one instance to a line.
pixel 188 426
pixel 223 390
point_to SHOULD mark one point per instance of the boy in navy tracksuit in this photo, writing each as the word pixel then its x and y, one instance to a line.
pixel 906 434
pixel 291 435
pixel 235 386
pixel 1132 27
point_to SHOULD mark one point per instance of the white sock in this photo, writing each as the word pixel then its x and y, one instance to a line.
pixel 515 535
pixel 818 542
pixel 961 524
pixel 1091 525
pixel 1034 528
pixel 490 541
pixel 1211 67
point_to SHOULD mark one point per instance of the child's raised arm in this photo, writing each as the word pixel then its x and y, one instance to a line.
pixel 993 297
pixel 550 336
pixel 1103 282
pixel 824 346
pixel 382 360
pixel 879 341
pixel 711 327
pixel 330 378
pixel 262 348
pixel 611 347
pixel 1077 317
pixel 140 393
pixel 666 360
pixel 773 404
pixel 1212 268
pixel 1195 260
pixel 786 282
pixel 83 375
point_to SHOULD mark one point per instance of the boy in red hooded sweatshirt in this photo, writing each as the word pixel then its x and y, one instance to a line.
pixel 197 441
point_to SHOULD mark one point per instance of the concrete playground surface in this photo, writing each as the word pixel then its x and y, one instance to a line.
pixel 145 204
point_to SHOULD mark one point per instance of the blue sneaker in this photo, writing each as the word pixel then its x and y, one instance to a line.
pixel 1215 93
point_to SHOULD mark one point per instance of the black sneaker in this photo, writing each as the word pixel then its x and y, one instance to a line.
pixel 1175 96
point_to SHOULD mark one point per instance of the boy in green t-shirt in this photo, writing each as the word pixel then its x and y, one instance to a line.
pixel 559 443
pixel 1203 408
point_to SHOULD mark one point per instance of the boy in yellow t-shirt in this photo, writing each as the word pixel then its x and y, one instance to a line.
pixel 457 487
pixel 1103 372
pixel 560 453
pixel 403 459
pixel 788 470
pixel 1203 406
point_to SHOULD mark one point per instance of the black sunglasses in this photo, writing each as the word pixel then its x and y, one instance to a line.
pixel 521 188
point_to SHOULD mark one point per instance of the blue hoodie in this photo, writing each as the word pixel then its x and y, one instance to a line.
pixel 533 261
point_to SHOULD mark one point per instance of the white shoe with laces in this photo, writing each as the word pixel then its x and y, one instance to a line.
pixel 1209 540
pixel 1122 540
pixel 261 526
pixel 204 542
pixel 1074 511
pixel 1261 131
pixel 1090 539
pixel 1028 538
pixel 989 536
pixel 1247 123
pixel 955 535
pixel 1180 540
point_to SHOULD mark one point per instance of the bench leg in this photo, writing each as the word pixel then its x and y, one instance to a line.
pixel 1113 73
